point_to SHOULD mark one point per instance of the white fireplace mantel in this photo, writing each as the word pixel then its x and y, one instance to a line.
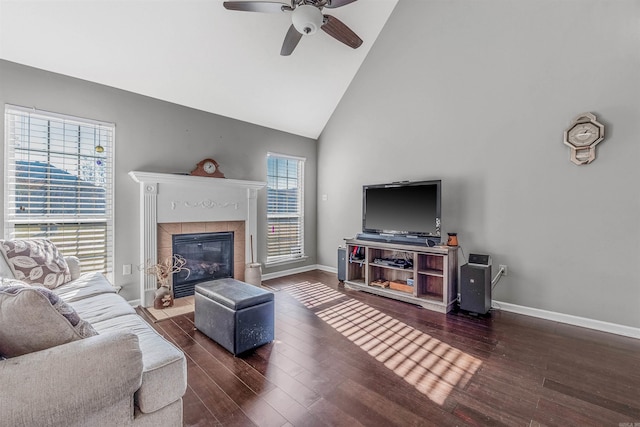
pixel 166 198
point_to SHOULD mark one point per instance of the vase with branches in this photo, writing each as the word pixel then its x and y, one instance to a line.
pixel 163 272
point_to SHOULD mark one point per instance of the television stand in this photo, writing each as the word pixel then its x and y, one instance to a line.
pixel 429 283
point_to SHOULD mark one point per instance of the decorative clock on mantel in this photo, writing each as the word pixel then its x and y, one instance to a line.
pixel 207 167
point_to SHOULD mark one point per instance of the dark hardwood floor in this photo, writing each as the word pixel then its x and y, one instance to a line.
pixel 347 358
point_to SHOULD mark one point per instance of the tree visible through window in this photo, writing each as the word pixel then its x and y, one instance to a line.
pixel 58 172
pixel 285 214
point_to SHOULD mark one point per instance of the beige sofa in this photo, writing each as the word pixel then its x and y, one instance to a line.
pixel 126 375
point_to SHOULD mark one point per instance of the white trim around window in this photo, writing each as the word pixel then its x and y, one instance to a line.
pixel 59 183
pixel 285 209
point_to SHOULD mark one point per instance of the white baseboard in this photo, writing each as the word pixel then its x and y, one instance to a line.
pixel 134 302
pixel 569 319
pixel 327 269
pixel 584 322
pixel 291 271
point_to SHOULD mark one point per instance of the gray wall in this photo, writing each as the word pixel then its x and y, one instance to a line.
pixel 158 136
pixel 478 94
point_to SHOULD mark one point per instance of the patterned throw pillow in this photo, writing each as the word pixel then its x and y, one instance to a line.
pixel 36 262
pixel 33 318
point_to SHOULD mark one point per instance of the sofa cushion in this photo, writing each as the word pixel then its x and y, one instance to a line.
pixel 74 266
pixel 5 269
pixel 33 318
pixel 85 383
pixel 102 307
pixel 164 374
pixel 36 261
pixel 88 285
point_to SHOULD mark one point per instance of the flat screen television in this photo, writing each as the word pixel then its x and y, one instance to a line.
pixel 402 209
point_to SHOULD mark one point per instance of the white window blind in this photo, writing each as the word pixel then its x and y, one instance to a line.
pixel 59 185
pixel 285 213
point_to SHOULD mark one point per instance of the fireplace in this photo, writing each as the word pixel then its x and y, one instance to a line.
pixel 208 256
pixel 181 204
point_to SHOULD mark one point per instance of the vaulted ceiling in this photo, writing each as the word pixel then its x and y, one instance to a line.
pixel 195 53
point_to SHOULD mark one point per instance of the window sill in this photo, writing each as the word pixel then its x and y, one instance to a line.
pixel 286 261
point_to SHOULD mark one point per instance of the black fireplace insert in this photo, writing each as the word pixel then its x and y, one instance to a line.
pixel 208 256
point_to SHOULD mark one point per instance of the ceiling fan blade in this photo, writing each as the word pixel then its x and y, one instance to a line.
pixel 255 6
pixel 339 31
pixel 290 41
pixel 332 4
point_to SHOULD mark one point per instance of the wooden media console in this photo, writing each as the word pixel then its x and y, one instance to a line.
pixel 428 277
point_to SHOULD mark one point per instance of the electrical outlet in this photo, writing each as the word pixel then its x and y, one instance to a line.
pixel 504 267
pixel 126 269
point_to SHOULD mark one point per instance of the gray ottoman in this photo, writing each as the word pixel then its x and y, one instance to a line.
pixel 236 315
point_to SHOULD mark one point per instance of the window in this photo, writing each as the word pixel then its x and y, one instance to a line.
pixel 58 174
pixel 285 213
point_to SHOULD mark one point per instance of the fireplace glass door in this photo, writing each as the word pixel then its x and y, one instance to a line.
pixel 208 256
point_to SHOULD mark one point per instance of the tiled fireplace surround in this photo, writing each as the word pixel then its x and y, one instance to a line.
pixel 178 204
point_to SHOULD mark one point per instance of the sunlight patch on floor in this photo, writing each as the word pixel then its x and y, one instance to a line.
pixel 433 367
pixel 311 296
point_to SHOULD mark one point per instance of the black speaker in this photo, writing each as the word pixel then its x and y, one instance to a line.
pixel 342 264
pixel 475 285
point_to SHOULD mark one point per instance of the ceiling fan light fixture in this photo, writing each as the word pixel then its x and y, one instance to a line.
pixel 307 19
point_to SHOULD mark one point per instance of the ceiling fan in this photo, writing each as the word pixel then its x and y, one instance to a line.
pixel 306 18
